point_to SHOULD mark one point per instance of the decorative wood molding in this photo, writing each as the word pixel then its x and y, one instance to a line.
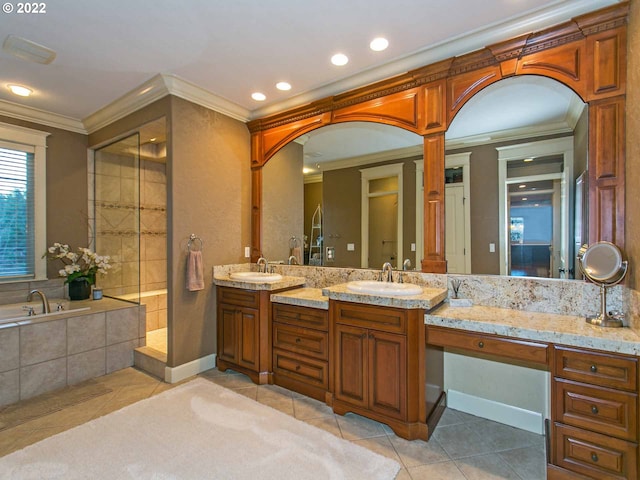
pixel 588 54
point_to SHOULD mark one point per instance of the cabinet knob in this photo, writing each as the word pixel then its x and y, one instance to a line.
pixel 594 368
pixel 297 340
pixel 594 457
pixel 481 344
pixel 594 409
pixel 297 367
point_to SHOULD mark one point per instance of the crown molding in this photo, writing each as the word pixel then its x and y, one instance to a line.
pixel 508 135
pixel 41 117
pixel 189 91
pixel 156 88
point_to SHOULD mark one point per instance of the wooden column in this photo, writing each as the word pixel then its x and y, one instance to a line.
pixel 434 255
pixel 606 170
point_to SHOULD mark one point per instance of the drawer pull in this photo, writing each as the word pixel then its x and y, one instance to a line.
pixel 297 367
pixel 594 457
pixel 481 344
pixel 594 368
pixel 297 340
pixel 594 409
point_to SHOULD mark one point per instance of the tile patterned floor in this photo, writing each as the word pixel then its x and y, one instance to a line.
pixel 463 447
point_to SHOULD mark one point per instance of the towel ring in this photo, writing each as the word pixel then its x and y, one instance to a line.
pixel 193 238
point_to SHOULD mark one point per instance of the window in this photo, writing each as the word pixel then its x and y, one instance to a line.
pixel 22 203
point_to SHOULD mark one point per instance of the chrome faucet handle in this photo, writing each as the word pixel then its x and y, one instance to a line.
pixel 59 307
pixel 30 311
pixel 400 279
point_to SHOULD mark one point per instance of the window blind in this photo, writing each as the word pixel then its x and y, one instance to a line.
pixel 17 232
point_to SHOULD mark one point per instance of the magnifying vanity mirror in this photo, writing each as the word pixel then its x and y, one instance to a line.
pixel 602 264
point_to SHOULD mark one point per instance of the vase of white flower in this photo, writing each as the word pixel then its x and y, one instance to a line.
pixel 79 288
pixel 80 269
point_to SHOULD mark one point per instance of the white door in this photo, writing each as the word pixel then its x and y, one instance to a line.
pixel 454 228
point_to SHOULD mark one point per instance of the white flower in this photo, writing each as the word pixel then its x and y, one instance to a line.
pixel 62 273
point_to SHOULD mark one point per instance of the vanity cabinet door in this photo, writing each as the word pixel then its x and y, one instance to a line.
pixel 227 333
pixel 351 382
pixel 387 373
pixel 249 337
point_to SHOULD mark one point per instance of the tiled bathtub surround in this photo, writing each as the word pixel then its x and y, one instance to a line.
pixel 17 292
pixel 47 353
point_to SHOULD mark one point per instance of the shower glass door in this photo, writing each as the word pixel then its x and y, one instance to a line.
pixel 117 216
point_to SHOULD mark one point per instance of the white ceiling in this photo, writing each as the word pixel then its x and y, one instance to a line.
pixel 231 48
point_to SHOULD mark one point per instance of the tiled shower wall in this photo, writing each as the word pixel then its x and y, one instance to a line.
pixel 139 262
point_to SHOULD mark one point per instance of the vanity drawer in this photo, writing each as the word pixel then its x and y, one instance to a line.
pixel 594 455
pixel 370 316
pixel 603 369
pixel 239 297
pixel 532 352
pixel 301 368
pixel 301 316
pixel 602 410
pixel 301 340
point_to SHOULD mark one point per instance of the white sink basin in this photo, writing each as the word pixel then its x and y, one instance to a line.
pixel 383 288
pixel 260 277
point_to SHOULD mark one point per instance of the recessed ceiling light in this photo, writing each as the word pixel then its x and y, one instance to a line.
pixel 524 199
pixel 339 59
pixel 284 86
pixel 153 139
pixel 522 186
pixel 259 97
pixel 20 90
pixel 528 160
pixel 379 44
pixel 306 170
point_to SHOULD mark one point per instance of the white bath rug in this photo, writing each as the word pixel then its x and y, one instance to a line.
pixel 198 430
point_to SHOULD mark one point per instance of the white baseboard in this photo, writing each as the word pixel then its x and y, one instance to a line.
pixel 496 411
pixel 186 370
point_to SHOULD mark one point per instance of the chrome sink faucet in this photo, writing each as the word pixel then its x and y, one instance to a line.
pixel 263 265
pixel 387 272
pixel 293 260
pixel 43 297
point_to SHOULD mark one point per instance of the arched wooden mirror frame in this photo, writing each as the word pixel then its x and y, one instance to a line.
pixel 587 54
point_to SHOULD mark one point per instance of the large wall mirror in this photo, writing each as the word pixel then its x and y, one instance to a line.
pixel 502 161
pixel 514 154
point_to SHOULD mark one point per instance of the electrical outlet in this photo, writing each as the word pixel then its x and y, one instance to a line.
pixel 492 248
pixel 330 254
pixel 247 252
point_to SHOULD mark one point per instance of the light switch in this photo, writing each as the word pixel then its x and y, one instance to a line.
pixel 351 247
pixel 247 252
pixel 330 254
pixel 492 248
pixel 413 247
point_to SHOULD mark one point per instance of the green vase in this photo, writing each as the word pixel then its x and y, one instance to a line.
pixel 79 289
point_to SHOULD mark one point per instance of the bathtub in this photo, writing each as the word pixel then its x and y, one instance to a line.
pixel 46 352
pixel 16 312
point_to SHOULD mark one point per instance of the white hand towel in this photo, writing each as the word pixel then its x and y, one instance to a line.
pixel 195 271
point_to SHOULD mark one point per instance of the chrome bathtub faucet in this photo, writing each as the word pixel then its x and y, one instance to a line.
pixel 43 297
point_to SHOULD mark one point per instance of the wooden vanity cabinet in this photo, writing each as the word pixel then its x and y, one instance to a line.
pixel 301 349
pixel 595 415
pixel 378 365
pixel 244 333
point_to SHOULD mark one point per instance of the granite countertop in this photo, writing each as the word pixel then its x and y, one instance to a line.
pixel 429 298
pixel 286 282
pixel 546 327
pixel 303 297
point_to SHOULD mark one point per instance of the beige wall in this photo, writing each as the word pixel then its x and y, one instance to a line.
pixel 67 220
pixel 632 232
pixel 283 202
pixel 209 194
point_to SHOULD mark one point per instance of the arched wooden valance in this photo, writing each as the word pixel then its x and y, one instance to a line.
pixel 588 54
